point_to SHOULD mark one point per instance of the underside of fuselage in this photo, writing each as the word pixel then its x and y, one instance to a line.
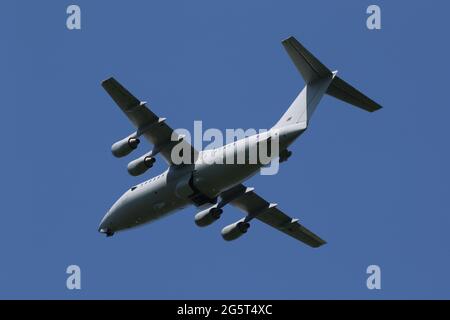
pixel 199 184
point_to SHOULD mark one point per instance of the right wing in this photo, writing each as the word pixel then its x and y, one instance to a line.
pixel 148 124
pixel 257 207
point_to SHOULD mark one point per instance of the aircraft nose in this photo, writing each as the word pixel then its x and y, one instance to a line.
pixel 122 214
pixel 105 225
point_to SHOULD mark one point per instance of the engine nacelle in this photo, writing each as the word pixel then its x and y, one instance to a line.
pixel 206 217
pixel 140 165
pixel 235 230
pixel 125 146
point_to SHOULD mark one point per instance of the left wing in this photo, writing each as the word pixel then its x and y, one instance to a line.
pixel 257 207
pixel 148 124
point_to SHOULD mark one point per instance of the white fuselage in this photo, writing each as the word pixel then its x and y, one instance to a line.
pixel 209 176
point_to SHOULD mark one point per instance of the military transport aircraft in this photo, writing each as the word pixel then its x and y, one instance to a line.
pixel 211 186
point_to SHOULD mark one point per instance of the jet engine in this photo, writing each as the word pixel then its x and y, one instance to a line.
pixel 125 146
pixel 206 217
pixel 140 165
pixel 235 230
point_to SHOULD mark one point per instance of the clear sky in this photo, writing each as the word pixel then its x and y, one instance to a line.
pixel 375 186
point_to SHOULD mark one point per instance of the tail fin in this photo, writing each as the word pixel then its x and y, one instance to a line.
pixel 310 68
pixel 319 80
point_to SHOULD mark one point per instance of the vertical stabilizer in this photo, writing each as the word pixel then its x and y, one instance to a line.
pixel 319 80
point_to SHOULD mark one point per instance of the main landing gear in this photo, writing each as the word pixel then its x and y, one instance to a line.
pixel 285 155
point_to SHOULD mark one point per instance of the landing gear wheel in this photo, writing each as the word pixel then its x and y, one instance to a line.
pixel 285 155
pixel 109 234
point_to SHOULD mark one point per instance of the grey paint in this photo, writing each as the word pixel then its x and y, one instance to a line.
pixel 173 190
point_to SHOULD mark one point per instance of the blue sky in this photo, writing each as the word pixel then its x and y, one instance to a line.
pixel 375 186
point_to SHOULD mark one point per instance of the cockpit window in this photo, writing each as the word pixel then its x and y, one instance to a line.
pixel 132 188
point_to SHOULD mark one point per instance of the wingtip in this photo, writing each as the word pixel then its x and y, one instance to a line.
pixel 290 38
pixel 378 107
pixel 375 107
pixel 108 80
pixel 319 244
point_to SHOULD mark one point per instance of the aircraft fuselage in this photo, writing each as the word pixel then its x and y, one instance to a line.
pixel 199 183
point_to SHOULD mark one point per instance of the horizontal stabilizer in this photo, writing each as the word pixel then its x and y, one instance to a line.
pixel 345 92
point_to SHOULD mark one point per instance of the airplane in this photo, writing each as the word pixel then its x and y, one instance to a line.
pixel 211 186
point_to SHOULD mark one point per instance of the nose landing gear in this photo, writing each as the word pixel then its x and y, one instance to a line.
pixel 107 232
